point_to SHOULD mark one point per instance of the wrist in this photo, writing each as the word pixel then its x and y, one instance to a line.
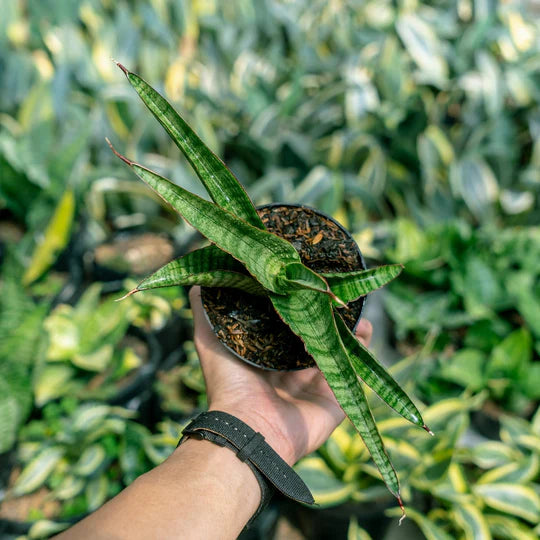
pixel 272 433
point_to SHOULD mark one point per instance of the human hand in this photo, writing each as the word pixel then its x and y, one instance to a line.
pixel 294 410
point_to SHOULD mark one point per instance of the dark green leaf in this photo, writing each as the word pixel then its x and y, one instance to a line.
pixel 376 377
pixel 349 286
pixel 220 183
pixel 309 315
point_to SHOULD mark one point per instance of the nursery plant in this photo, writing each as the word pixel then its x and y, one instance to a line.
pixel 243 254
pixel 75 456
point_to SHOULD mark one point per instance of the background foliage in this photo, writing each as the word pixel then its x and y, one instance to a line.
pixel 416 124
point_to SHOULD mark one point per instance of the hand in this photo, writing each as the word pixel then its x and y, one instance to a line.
pixel 295 410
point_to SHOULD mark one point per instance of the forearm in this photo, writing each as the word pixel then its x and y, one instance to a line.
pixel 201 491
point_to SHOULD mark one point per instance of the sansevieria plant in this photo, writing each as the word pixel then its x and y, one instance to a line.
pixel 244 255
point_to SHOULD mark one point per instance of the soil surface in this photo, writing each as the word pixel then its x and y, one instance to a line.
pixel 248 325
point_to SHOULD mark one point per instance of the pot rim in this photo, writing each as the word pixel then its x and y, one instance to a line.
pixel 363 264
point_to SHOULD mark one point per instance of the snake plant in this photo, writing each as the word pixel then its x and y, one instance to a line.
pixel 304 299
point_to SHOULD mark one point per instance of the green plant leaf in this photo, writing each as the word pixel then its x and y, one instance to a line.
pixel 508 528
pixel 299 276
pixel 218 180
pixel 429 528
pixel 472 522
pixel 90 460
pixel 355 532
pixel 69 488
pixel 327 490
pixel 45 528
pixel 96 492
pixel 38 470
pixel 474 181
pixel 349 286
pixel 264 254
pixel 55 238
pixel 51 382
pixel 519 472
pixel 424 47
pixel 492 454
pixel 309 315
pixel 516 500
pixel 208 266
pixel 376 377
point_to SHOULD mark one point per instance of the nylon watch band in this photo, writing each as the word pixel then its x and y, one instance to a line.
pixel 271 471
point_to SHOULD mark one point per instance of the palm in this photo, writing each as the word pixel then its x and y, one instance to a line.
pixel 298 409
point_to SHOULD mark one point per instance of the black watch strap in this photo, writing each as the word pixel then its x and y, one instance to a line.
pixel 250 446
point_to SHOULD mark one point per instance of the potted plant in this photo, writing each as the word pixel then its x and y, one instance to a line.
pixel 245 254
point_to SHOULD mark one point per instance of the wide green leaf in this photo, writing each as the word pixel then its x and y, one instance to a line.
pixel 351 285
pixel 309 315
pixel 208 266
pixel 264 254
pixel 38 470
pixel 376 377
pixel 218 180
pixel 472 522
pixel 513 499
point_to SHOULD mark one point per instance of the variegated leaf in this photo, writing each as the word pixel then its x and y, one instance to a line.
pixel 376 377
pixel 208 266
pixel 309 315
pixel 349 286
pixel 264 254
pixel 218 180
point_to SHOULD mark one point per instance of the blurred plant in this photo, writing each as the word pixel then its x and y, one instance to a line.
pixel 22 343
pixel 454 486
pixel 182 389
pixel 92 353
pixel 490 490
pixel 476 293
pixel 83 454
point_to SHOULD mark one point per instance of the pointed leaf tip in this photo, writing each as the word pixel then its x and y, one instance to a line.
pixel 123 68
pixel 133 291
pixel 118 154
pixel 404 514
pixel 428 430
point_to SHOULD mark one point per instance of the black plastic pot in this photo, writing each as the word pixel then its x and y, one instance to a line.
pixel 357 304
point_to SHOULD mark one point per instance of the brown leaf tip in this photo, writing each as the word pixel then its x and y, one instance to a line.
pixel 123 68
pixel 428 430
pixel 118 154
pixel 404 514
pixel 133 291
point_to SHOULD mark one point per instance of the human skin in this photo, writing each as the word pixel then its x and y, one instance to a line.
pixel 203 490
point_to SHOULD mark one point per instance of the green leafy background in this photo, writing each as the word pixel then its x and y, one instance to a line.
pixel 416 125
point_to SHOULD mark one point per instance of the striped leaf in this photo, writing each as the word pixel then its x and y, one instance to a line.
pixel 519 472
pixel 90 460
pixel 264 254
pixel 376 377
pixel 37 471
pixel 509 528
pixel 208 266
pixel 471 520
pixel 327 490
pixel 218 180
pixel 309 315
pixel 516 500
pixel 298 276
pixel 350 286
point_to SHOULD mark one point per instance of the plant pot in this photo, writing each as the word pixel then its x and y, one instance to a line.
pixel 248 325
